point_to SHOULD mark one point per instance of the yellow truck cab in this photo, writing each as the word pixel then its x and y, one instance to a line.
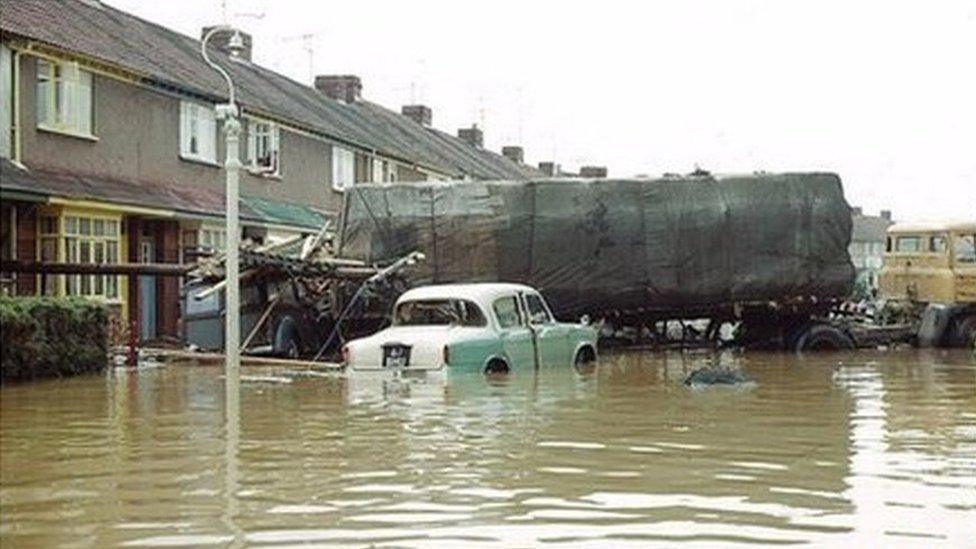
pixel 933 266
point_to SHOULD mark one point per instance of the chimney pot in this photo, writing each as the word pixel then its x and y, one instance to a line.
pixel 548 168
pixel 235 43
pixel 420 114
pixel 472 136
pixel 857 210
pixel 886 214
pixel 514 153
pixel 595 172
pixel 347 88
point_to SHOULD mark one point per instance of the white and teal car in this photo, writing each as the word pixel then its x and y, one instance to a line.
pixel 491 327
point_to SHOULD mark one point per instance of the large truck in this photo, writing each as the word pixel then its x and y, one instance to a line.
pixel 763 253
pixel 928 279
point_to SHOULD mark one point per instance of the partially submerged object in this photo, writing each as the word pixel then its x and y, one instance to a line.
pixel 716 376
pixel 491 328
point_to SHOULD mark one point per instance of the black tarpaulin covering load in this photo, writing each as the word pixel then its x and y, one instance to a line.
pixel 593 246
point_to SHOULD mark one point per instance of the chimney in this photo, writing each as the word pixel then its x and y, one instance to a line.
pixel 514 153
pixel 886 214
pixel 595 172
pixel 346 88
pixel 548 169
pixel 420 114
pixel 472 136
pixel 222 41
pixel 857 211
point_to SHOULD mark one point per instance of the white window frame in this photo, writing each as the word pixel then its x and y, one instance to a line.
pixel 263 134
pixel 198 122
pixel 64 98
pixel 343 168
pixel 7 97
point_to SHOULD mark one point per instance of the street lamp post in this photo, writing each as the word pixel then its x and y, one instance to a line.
pixel 228 112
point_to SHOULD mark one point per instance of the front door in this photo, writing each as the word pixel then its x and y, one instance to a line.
pixel 551 338
pixel 514 332
pixel 147 291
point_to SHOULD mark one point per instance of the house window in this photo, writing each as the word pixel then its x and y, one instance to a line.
pixel 343 168
pixel 81 239
pixel 198 132
pixel 64 97
pixel 212 239
pixel 91 240
pixel 6 100
pixel 263 147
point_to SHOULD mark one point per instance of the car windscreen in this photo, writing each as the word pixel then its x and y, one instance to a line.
pixel 438 312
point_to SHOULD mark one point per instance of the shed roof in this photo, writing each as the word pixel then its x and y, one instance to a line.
pixel 167 58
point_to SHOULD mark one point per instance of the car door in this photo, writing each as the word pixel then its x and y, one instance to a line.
pixel 515 335
pixel 552 338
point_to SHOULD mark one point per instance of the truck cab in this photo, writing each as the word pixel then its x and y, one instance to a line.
pixel 933 267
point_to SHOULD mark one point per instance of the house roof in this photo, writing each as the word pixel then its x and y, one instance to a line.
pixel 170 59
pixel 866 228
pixel 183 199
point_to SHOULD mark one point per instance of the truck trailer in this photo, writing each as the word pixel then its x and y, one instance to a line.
pixel 766 253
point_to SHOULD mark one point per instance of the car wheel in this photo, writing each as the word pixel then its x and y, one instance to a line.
pixel 585 357
pixel 823 337
pixel 496 367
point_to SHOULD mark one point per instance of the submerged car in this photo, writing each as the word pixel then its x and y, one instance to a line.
pixel 490 327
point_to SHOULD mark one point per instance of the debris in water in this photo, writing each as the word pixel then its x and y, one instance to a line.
pixel 717 376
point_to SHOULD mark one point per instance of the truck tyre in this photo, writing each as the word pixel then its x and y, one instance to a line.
pixel 823 337
pixel 585 358
pixel 966 332
pixel 286 340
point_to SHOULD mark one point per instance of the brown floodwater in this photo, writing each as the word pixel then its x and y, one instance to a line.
pixel 873 447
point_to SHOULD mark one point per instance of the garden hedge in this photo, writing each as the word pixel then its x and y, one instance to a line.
pixel 46 337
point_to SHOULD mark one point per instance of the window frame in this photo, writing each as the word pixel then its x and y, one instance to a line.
pixel 274 143
pixel 545 309
pixel 191 122
pixel 70 232
pixel 343 168
pixel 64 96
pixel 520 319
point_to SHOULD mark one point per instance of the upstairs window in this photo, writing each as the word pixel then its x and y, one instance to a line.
pixel 343 168
pixel 198 132
pixel 64 98
pixel 262 147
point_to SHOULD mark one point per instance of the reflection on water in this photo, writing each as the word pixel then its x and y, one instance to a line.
pixel 829 449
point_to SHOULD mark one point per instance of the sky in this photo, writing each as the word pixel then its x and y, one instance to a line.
pixel 882 93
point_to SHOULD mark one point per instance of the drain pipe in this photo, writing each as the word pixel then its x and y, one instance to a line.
pixel 15 88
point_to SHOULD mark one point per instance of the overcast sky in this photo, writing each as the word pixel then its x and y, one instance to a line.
pixel 883 93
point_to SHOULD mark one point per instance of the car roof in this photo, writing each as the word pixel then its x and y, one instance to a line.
pixel 484 293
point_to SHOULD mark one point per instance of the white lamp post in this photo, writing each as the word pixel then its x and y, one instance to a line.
pixel 232 127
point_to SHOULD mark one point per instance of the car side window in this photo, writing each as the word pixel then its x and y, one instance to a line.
pixel 507 312
pixel 538 313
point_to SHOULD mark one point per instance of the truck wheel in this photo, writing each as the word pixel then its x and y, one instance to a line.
pixel 966 332
pixel 823 337
pixel 286 340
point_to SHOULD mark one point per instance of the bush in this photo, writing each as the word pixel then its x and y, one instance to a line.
pixel 46 337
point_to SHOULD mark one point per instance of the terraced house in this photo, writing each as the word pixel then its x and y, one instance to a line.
pixel 111 150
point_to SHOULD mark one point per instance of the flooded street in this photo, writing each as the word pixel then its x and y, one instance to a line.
pixel 871 447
